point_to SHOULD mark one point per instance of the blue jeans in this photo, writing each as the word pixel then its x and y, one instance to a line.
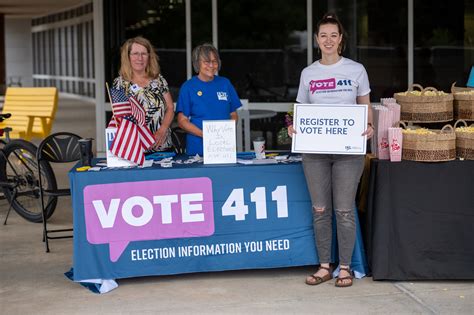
pixel 332 181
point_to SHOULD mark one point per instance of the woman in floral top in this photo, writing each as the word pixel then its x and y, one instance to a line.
pixel 140 76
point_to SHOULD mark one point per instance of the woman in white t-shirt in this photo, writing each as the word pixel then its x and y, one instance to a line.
pixel 333 179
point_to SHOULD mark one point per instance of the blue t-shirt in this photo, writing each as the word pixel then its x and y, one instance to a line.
pixel 199 100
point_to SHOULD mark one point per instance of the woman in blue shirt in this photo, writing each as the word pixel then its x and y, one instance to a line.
pixel 205 96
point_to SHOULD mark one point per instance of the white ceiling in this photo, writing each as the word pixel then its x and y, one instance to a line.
pixel 34 8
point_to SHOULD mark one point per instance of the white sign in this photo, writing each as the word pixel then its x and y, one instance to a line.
pixel 113 160
pixel 329 128
pixel 219 145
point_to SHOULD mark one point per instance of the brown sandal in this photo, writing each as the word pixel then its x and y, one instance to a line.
pixel 341 282
pixel 315 280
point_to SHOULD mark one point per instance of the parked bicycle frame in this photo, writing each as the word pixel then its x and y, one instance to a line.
pixel 19 177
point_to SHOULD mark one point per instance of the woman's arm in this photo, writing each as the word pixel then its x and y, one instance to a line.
pixel 162 132
pixel 365 99
pixel 186 125
pixel 234 116
pixel 169 111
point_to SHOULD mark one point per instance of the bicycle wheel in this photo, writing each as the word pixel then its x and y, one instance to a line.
pixel 19 167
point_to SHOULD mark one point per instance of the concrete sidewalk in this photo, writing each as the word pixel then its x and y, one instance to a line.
pixel 32 281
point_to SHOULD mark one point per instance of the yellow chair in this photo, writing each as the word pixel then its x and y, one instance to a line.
pixel 33 111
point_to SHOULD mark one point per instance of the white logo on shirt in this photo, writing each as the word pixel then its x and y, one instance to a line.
pixel 222 96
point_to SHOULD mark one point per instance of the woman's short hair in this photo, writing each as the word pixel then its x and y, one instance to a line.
pixel 331 18
pixel 204 52
pixel 152 68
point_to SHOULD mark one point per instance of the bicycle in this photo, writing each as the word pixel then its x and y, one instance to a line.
pixel 19 177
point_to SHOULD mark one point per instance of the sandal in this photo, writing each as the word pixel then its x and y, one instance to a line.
pixel 315 280
pixel 342 282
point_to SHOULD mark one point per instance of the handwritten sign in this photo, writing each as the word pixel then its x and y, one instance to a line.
pixel 113 160
pixel 219 143
pixel 329 128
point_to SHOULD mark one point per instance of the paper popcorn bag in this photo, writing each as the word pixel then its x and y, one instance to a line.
pixel 395 139
pixel 384 122
pixel 395 109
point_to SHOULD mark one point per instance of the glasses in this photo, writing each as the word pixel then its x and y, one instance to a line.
pixel 210 62
pixel 139 54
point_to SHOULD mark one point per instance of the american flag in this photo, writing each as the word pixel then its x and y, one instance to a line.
pixel 137 110
pixel 112 123
pixel 131 141
pixel 133 136
pixel 120 103
pixel 120 107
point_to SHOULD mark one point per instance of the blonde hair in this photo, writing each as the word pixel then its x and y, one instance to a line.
pixel 152 68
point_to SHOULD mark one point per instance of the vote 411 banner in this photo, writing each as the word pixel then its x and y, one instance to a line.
pixel 329 128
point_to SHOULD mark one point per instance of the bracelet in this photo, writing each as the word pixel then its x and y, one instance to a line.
pixel 370 125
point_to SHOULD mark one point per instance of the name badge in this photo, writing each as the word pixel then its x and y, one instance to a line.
pixel 135 88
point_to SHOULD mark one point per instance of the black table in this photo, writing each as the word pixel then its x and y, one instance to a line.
pixel 420 220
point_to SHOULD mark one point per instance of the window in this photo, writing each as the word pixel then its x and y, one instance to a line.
pixel 263 47
pixel 375 39
pixel 444 42
pixel 161 22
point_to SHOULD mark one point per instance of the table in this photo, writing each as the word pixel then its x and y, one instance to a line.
pixel 243 124
pixel 420 220
pixel 192 218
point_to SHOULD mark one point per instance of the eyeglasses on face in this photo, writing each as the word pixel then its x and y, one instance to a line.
pixel 210 62
pixel 139 54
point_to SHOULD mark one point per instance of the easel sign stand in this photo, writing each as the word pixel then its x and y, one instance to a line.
pixel 219 144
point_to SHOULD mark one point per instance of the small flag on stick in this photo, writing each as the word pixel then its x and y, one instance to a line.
pixel 133 137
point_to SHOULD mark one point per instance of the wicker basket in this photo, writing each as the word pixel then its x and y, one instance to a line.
pixel 463 103
pixel 437 147
pixel 425 108
pixel 464 142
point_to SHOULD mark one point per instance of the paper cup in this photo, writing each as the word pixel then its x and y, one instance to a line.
pixel 259 148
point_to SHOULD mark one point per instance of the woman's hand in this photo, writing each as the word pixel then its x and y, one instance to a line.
pixel 365 99
pixel 369 132
pixel 160 137
pixel 162 133
pixel 291 131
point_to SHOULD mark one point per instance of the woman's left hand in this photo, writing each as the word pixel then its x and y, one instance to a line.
pixel 160 137
pixel 369 132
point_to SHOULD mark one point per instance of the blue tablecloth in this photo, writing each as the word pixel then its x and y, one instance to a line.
pixel 193 218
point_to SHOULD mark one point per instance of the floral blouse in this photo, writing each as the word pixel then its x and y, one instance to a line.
pixel 153 100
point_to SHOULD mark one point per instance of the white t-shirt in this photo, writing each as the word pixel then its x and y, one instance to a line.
pixel 339 83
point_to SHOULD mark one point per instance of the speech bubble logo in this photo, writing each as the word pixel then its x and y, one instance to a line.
pixel 117 214
pixel 327 84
